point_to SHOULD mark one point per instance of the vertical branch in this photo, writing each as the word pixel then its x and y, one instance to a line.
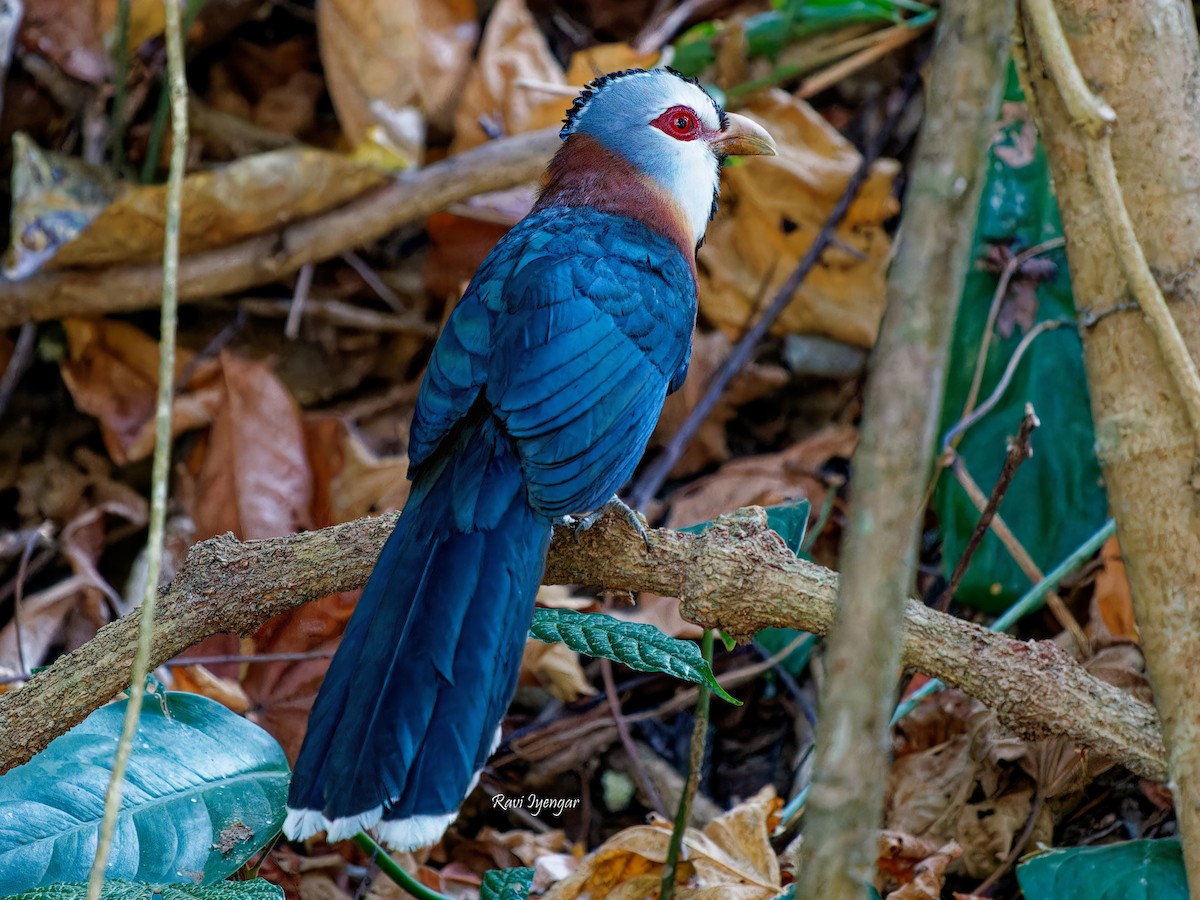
pixel 894 457
pixel 1124 166
pixel 162 447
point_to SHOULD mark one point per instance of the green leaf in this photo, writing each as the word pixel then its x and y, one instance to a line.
pixel 1056 499
pixel 641 647
pixel 204 791
pixel 119 889
pixel 506 884
pixel 1134 870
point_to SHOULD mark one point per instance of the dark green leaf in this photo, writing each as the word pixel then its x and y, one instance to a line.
pixel 204 791
pixel 1134 870
pixel 641 647
pixel 1056 499
pixel 119 889
pixel 506 884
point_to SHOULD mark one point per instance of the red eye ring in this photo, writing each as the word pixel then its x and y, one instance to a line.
pixel 679 122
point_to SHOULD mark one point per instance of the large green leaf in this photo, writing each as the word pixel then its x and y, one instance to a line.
pixel 205 790
pixel 1134 870
pixel 641 647
pixel 1056 499
pixel 506 884
pixel 119 889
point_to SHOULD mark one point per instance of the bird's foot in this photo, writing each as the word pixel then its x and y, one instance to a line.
pixel 632 516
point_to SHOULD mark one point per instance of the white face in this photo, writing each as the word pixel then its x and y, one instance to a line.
pixel 662 124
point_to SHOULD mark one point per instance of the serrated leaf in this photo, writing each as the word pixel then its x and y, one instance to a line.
pixel 506 884
pixel 121 889
pixel 204 791
pixel 641 647
pixel 1134 870
pixel 1056 500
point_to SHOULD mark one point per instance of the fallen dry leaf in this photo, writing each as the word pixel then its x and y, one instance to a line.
pixel 69 33
pixel 710 446
pixel 556 668
pixel 254 478
pixel 771 213
pixel 731 858
pixel 76 216
pixel 111 370
pixel 929 875
pixel 1112 601
pixel 199 680
pixel 763 480
pixel 391 63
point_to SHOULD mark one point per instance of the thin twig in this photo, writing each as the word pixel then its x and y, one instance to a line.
pixel 177 87
pixel 656 473
pixel 1010 269
pixel 695 766
pixel 635 764
pixel 18 364
pixel 1018 451
pixel 291 328
pixel 19 598
pixel 375 283
pixel 1020 555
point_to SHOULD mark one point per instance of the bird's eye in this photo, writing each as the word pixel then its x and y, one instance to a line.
pixel 679 122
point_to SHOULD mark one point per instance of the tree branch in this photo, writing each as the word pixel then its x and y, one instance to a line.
pixel 269 257
pixel 738 576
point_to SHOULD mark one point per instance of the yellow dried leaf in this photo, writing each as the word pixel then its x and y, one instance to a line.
pixel 221 206
pixel 771 213
pixel 513 52
pixel 391 63
pixel 731 858
pixel 199 680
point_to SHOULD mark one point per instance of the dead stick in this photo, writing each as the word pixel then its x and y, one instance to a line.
pixel 738 576
pixel 1018 451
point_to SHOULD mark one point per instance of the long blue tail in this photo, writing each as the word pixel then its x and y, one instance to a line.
pixel 411 706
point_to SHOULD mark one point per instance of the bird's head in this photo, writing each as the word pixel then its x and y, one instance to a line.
pixel 664 130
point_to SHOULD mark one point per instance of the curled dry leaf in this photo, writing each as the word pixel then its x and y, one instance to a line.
pixel 111 370
pixel 763 480
pixel 771 213
pixel 556 668
pixel 510 89
pixel 69 34
pixel 929 875
pixel 731 858
pixel 1112 601
pixel 391 64
pixel 88 221
pixel 709 446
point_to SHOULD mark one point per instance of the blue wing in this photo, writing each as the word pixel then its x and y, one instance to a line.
pixel 574 330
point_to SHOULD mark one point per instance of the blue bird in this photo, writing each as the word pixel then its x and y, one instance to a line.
pixel 537 404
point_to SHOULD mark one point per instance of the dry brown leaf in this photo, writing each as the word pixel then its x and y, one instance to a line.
pixel 731 858
pixel 492 849
pixel 222 205
pixel 69 33
pixel 111 369
pixel 763 480
pixel 513 50
pixel 929 875
pixel 391 63
pixel 709 446
pixel 987 830
pixel 1112 602
pixel 556 668
pixel 254 479
pixel 199 680
pixel 771 213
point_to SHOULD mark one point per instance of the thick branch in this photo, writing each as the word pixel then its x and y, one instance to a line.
pixel 738 576
pixel 269 257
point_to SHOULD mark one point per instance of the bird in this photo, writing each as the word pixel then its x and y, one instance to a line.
pixel 535 407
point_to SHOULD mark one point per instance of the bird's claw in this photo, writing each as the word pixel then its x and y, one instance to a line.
pixel 630 515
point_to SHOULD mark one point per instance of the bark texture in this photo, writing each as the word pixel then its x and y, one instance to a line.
pixel 894 456
pixel 1141 57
